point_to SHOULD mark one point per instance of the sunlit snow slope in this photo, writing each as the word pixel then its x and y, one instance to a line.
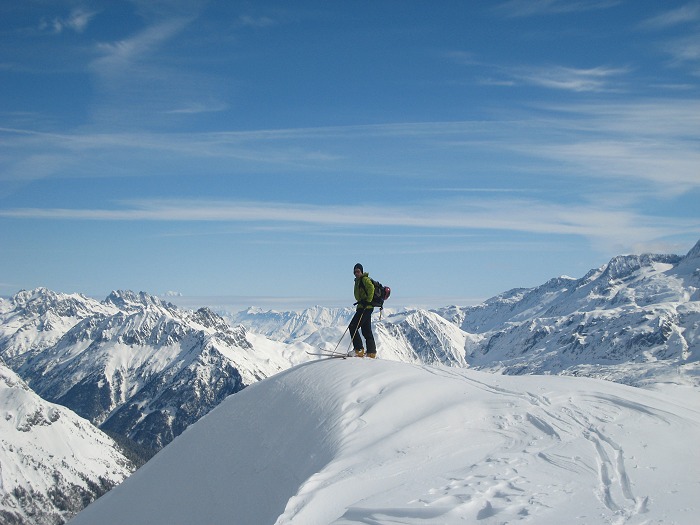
pixel 52 462
pixel 371 441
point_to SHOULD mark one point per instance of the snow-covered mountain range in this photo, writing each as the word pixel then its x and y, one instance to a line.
pixel 143 369
pixel 131 364
pixel 634 320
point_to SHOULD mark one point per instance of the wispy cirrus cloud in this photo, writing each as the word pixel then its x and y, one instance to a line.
pixel 117 57
pixel 597 79
pixel 651 143
pixel 600 224
pixel 560 77
pixel 195 108
pixel 137 79
pixel 77 21
pixel 522 8
pixel 672 172
pixel 685 50
pixel 683 15
pixel 683 46
pixel 259 21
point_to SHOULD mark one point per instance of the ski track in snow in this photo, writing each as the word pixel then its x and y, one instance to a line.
pixel 380 442
pixel 494 486
pixel 614 488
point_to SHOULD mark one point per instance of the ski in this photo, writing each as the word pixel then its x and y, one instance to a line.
pixel 328 354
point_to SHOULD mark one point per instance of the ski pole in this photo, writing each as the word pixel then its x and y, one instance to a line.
pixel 335 350
pixel 359 322
pixel 341 338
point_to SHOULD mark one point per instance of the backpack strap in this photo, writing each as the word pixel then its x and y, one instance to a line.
pixel 362 283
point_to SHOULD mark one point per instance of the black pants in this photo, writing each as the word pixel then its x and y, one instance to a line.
pixel 363 320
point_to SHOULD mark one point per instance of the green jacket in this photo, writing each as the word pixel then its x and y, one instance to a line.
pixel 364 292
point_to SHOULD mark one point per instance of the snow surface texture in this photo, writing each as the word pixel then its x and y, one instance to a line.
pixel 52 463
pixel 371 441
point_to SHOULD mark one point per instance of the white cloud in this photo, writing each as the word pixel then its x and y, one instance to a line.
pixel 199 107
pixel 138 81
pixel 672 119
pixel 686 14
pixel 593 79
pixel 256 21
pixel 597 79
pixel 77 21
pixel 119 56
pixel 519 8
pixel 602 225
pixel 671 170
pixel 652 144
pixel 684 50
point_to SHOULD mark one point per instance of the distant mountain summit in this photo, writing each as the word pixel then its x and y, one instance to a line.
pixel 32 321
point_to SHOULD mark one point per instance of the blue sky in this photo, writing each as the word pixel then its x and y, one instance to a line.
pixel 258 150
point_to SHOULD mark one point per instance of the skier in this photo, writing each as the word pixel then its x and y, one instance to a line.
pixel 362 320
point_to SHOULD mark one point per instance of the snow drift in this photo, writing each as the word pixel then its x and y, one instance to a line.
pixel 360 441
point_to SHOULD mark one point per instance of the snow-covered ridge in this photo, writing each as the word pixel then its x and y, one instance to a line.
pixel 387 442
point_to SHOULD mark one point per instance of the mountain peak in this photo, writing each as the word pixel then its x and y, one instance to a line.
pixel 128 300
pixel 622 266
pixel 694 252
pixel 40 300
pixel 24 296
pixel 210 319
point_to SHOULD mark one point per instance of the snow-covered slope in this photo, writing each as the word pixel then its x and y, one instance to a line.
pixel 361 441
pixel 421 337
pixel 52 462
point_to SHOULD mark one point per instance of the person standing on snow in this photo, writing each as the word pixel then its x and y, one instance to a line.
pixel 362 320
